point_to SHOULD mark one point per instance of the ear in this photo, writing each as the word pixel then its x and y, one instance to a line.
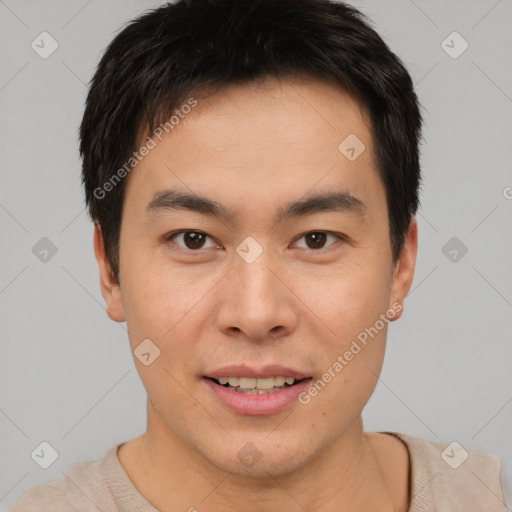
pixel 404 269
pixel 109 288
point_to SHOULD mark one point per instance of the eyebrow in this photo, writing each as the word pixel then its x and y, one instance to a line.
pixel 343 202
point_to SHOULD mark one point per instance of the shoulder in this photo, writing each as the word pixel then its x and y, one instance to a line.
pixel 446 476
pixel 82 489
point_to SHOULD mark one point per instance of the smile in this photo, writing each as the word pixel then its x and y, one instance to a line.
pixel 253 386
pixel 256 396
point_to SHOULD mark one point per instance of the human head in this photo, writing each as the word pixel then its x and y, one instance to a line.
pixel 158 60
pixel 253 157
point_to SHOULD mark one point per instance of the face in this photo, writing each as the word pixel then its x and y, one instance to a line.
pixel 280 266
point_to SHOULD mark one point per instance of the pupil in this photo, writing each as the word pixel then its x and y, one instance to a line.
pixel 193 240
pixel 318 239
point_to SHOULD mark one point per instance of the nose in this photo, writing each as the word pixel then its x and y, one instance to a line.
pixel 257 303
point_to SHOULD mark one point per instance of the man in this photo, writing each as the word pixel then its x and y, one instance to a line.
pixel 252 170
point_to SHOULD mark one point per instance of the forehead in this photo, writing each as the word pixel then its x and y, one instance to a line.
pixel 308 115
pixel 263 140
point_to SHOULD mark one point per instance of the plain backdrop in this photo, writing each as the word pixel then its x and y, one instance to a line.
pixel 67 374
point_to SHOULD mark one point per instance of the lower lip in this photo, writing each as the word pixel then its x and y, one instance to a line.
pixel 252 405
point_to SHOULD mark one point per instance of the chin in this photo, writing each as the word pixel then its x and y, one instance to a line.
pixel 260 458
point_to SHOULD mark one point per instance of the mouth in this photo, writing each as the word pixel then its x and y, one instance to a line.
pixel 257 386
pixel 247 391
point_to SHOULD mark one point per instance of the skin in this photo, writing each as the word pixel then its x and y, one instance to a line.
pixel 253 148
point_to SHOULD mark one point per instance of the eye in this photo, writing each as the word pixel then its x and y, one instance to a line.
pixel 317 239
pixel 192 240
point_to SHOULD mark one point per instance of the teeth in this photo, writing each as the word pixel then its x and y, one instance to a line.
pixel 247 383
pixel 256 385
pixel 279 381
pixel 267 383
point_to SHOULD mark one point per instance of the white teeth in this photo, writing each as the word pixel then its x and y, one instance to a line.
pixel 233 381
pixel 247 383
pixel 267 383
pixel 259 386
pixel 279 381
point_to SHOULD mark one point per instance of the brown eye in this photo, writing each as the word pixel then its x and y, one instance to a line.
pixel 192 240
pixel 317 239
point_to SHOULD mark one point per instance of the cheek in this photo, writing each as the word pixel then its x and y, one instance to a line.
pixel 347 298
pixel 166 305
pixel 350 304
pixel 160 308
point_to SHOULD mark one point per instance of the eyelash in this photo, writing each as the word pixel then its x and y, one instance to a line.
pixel 170 236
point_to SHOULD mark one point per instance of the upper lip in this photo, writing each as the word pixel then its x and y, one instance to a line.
pixel 242 370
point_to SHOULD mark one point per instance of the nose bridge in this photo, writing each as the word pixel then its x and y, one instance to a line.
pixel 252 265
pixel 256 280
pixel 256 302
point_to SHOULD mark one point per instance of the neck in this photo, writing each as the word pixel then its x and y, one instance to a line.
pixel 346 475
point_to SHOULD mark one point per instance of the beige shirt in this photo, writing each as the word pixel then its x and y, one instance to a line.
pixel 442 480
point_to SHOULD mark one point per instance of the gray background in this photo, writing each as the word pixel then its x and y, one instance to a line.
pixel 67 375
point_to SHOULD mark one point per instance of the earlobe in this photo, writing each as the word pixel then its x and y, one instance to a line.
pixel 404 269
pixel 108 285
